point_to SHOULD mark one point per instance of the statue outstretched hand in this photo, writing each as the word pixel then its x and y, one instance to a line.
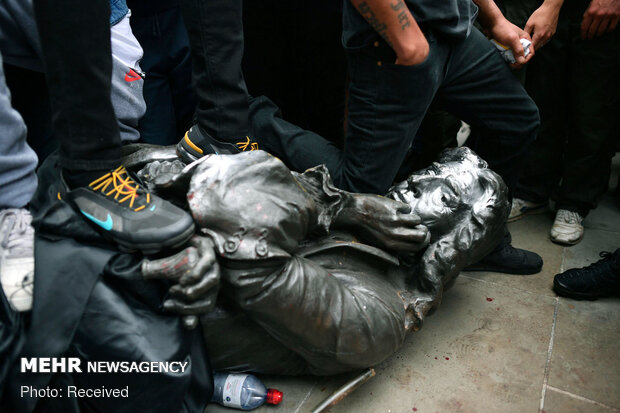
pixel 196 276
pixel 384 222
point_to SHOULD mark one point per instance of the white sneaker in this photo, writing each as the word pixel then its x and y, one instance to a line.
pixel 567 228
pixel 17 257
pixel 521 208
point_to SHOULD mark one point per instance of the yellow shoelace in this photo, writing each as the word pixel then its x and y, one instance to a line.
pixel 125 187
pixel 253 146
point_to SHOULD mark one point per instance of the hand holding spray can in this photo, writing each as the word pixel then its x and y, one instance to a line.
pixel 506 52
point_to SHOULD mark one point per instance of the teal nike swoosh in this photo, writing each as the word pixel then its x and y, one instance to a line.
pixel 107 224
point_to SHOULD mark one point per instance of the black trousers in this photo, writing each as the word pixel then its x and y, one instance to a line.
pixel 215 30
pixel 388 102
pixel 75 42
pixel 576 84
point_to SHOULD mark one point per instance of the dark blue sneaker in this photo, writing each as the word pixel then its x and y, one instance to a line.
pixel 601 279
pixel 128 214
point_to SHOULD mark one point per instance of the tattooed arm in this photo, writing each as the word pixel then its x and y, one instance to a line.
pixel 394 22
pixel 503 31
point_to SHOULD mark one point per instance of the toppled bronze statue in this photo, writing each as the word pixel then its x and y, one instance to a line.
pixel 304 278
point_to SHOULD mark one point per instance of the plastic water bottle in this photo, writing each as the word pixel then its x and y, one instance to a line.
pixel 242 391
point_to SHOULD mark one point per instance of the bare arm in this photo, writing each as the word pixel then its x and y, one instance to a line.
pixel 394 22
pixel 503 31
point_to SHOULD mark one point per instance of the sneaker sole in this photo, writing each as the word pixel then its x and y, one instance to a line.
pixel 532 211
pixel 187 154
pixel 153 248
pixel 567 243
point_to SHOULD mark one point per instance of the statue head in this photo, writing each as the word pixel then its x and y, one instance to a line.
pixel 465 206
pixel 457 188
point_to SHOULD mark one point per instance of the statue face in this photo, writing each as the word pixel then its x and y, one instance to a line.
pixel 437 195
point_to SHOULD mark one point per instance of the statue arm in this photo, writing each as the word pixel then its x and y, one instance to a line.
pixel 377 220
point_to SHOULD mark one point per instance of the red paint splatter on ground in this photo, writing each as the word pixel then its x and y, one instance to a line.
pixel 489 299
pixel 447 358
pixel 414 409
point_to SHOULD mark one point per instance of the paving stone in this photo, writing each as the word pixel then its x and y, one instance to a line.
pixel 586 348
pixel 587 251
pixel 484 350
pixel 606 216
pixel 556 402
pixel 531 233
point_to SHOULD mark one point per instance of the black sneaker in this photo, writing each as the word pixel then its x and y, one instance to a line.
pixel 130 215
pixel 601 279
pixel 198 143
pixel 509 260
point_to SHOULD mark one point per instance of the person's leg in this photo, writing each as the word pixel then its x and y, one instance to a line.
pixel 171 101
pixel 17 185
pixel 547 82
pixel 298 148
pixel 180 76
pixel 594 121
pixel 127 80
pixel 597 280
pixel 387 103
pixel 157 124
pixel 18 161
pixel 480 89
pixel 592 126
pixel 76 50
pixel 215 29
pixel 78 75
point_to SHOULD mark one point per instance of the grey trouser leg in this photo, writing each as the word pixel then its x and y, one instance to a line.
pixel 17 160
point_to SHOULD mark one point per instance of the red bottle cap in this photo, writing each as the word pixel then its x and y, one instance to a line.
pixel 273 396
